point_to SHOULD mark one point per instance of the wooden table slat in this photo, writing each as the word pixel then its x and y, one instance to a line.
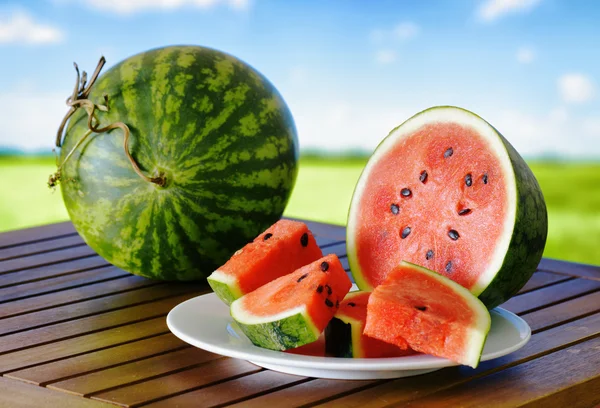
pixel 40 247
pixel 549 295
pixel 570 268
pixel 235 390
pixel 562 312
pixel 36 234
pixel 84 308
pixel 99 360
pixel 67 296
pixel 61 282
pixel 90 324
pixel 82 344
pixel 51 271
pixel 48 258
pixel 134 372
pixel 542 279
pixel 19 395
pixel 178 383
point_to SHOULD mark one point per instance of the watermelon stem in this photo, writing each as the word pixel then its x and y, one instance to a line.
pixel 79 99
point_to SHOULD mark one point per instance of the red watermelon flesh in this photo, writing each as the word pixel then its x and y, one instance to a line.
pixel 351 316
pixel 446 191
pixel 315 349
pixel 284 247
pixel 430 313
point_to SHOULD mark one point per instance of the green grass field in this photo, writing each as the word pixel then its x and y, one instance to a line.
pixel 323 191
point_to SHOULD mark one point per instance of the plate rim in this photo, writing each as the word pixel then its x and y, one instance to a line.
pixel 266 356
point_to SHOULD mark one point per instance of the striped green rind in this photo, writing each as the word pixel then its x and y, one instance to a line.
pixel 217 129
pixel 528 239
pixel 289 332
pixel 224 291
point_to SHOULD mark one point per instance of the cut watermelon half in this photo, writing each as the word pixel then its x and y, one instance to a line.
pixel 281 249
pixel 445 190
pixel 293 310
pixel 430 313
pixel 344 334
pixel 315 349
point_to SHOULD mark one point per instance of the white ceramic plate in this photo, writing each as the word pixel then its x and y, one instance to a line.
pixel 204 322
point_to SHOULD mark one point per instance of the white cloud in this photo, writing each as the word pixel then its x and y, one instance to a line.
pixel 30 118
pixel 135 6
pixel 20 28
pixel 386 56
pixel 556 133
pixel 525 55
pixel 492 10
pixel 576 88
pixel 406 30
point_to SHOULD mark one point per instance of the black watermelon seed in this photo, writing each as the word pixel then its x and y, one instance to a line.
pixel 329 303
pixel 337 303
pixel 405 192
pixel 464 211
pixel 405 232
pixel 485 178
pixel 304 239
pixel 320 289
pixel 421 308
pixel 351 304
pixel 453 234
pixel 449 266
pixel 329 291
pixel 423 177
pixel 469 180
pixel 429 254
pixel 302 277
pixel 267 236
pixel 324 266
pixel 395 209
pixel 449 152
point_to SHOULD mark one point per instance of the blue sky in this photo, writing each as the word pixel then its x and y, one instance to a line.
pixel 350 70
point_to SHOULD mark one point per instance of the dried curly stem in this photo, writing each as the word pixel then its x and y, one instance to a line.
pixel 79 99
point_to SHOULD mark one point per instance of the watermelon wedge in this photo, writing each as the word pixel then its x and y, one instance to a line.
pixel 447 191
pixel 344 334
pixel 430 313
pixel 293 310
pixel 281 249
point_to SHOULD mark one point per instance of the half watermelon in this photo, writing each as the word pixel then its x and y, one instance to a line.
pixel 281 249
pixel 293 310
pixel 430 313
pixel 447 191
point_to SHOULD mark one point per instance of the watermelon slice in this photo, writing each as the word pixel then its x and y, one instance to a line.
pixel 293 310
pixel 446 191
pixel 430 312
pixel 284 247
pixel 344 334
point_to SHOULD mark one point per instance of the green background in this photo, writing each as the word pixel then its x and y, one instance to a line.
pixel 323 192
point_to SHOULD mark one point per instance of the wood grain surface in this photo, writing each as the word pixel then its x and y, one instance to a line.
pixel 78 332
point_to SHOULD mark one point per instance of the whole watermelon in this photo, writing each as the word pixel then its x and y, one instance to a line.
pixel 217 134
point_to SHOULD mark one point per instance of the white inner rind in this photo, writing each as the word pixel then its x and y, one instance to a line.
pixel 443 114
pixel 238 313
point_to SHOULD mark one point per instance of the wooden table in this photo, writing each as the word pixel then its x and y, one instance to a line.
pixel 78 332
